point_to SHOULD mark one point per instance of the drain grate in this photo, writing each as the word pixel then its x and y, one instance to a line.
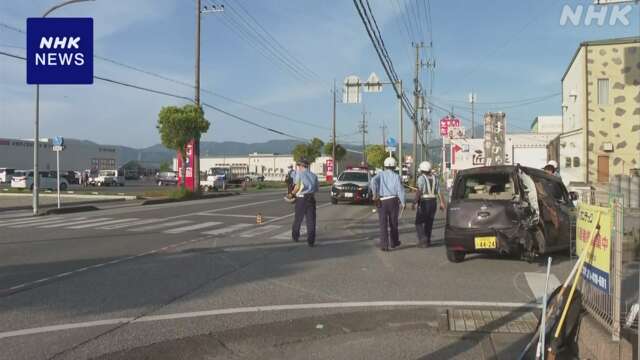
pixel 489 321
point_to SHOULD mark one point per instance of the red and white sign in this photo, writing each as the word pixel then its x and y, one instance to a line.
pixel 329 165
pixel 447 122
pixel 189 178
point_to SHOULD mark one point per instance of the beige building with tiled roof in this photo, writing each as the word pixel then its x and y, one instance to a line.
pixel 601 112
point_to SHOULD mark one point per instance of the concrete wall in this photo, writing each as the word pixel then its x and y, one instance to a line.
pixel 617 123
pixel 78 155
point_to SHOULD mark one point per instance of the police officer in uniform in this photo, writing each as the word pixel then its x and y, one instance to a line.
pixel 388 194
pixel 306 185
pixel 426 197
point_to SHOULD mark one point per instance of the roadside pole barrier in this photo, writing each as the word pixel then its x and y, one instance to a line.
pixel 543 323
pixel 564 287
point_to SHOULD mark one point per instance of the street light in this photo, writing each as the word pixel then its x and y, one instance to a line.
pixel 36 137
pixel 199 11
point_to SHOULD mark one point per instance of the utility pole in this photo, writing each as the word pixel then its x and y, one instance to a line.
pixel 333 131
pixel 472 100
pixel 400 109
pixel 416 105
pixel 384 133
pixel 363 129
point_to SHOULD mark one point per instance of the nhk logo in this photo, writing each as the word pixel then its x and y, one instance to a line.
pixel 59 51
pixel 56 58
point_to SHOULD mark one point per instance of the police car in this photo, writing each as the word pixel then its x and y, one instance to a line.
pixel 352 185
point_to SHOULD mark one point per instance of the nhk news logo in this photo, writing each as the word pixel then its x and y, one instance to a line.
pixel 60 51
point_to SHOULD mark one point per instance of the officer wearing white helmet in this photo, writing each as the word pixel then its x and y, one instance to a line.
pixel 551 168
pixel 388 195
pixel 427 195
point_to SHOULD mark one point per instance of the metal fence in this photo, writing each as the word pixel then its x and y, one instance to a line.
pixel 610 308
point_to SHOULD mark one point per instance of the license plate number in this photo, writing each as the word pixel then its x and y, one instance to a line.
pixel 348 195
pixel 485 242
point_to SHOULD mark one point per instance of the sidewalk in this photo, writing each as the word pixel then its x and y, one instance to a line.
pixel 48 200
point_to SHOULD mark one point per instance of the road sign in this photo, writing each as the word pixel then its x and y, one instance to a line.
pixel 329 165
pixel 456 132
pixel 447 122
pixel 58 147
pixel 373 84
pixel 351 92
pixel 59 51
pixel 391 142
pixel 57 141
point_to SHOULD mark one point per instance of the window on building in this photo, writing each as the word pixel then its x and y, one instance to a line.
pixel 603 91
pixel 576 162
pixel 567 162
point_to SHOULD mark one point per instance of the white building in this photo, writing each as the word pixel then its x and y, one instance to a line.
pixel 272 166
pixel 524 149
pixel 77 155
pixel 547 125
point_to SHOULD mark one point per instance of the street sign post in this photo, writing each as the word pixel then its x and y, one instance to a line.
pixel 58 146
pixel 391 145
pixel 329 164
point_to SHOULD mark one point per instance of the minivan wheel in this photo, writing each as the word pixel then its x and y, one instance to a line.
pixel 63 187
pixel 455 256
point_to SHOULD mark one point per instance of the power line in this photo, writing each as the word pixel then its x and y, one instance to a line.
pixel 183 83
pixel 176 96
pixel 278 43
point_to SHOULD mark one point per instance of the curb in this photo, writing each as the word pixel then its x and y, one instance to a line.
pixel 170 200
pixel 49 207
pixel 69 210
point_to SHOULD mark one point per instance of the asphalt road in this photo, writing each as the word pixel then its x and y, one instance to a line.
pixel 201 280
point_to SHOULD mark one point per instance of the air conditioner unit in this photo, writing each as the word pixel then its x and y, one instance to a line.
pixel 607 146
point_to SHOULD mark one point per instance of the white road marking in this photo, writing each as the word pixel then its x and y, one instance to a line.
pixel 41 223
pixel 287 234
pixel 259 230
pixel 292 214
pixel 74 223
pixel 536 282
pixel 228 229
pixel 266 308
pixel 28 220
pixel 134 223
pixel 161 225
pixel 193 227
pixel 231 215
pixel 101 223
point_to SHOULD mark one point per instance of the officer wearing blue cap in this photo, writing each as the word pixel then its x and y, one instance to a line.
pixel 306 185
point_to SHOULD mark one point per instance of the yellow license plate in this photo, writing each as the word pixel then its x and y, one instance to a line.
pixel 485 242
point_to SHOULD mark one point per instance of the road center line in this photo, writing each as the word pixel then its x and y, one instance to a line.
pixel 267 308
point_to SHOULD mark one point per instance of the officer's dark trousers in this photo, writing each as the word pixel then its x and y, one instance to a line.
pixel 424 220
pixel 388 219
pixel 305 208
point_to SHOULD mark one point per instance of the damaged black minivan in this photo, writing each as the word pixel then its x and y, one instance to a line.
pixel 509 210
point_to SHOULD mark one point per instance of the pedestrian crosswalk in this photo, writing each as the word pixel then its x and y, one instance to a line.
pixel 170 226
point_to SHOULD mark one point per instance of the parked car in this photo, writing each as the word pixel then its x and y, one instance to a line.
pixel 166 178
pixel 510 210
pixel 5 175
pixel 23 179
pixel 352 185
pixel 108 178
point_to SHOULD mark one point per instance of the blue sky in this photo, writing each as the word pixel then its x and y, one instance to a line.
pixel 502 50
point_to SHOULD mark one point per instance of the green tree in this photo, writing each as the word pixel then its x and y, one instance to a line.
pixel 179 125
pixel 341 152
pixel 376 155
pixel 310 151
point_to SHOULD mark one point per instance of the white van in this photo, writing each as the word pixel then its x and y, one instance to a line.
pixel 24 180
pixel 6 174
